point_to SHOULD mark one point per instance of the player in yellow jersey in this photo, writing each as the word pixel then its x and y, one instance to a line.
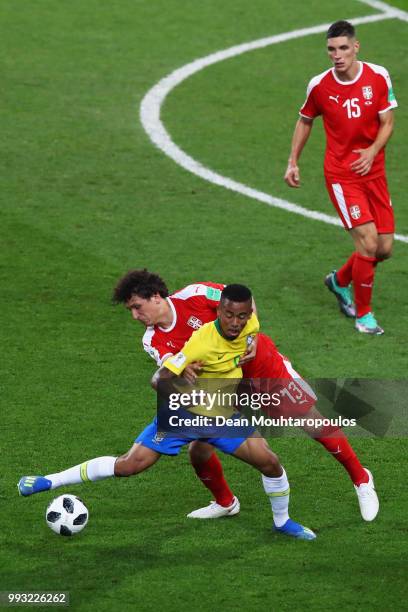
pixel 218 352
pixel 219 358
pixel 217 347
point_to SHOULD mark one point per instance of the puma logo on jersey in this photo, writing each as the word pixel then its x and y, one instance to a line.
pixel 194 322
pixel 335 98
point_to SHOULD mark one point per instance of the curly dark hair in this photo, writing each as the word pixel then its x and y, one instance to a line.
pixel 341 28
pixel 143 283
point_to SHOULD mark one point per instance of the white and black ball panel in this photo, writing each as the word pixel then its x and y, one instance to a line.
pixel 53 516
pixel 67 515
pixel 81 519
pixel 64 531
pixel 68 504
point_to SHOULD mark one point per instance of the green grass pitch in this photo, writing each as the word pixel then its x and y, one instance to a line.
pixel 86 196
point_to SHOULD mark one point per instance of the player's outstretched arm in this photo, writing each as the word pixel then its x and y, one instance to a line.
pixel 300 136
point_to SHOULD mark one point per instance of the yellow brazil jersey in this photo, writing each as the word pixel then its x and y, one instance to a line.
pixel 219 355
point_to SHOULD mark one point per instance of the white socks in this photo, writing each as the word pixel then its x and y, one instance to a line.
pixel 94 469
pixel 277 489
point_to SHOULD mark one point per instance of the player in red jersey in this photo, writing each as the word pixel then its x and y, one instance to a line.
pixel 274 369
pixel 183 312
pixel 170 321
pixel 356 102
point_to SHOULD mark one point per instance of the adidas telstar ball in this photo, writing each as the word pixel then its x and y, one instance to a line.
pixel 67 515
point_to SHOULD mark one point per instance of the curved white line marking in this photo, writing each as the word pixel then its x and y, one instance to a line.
pixel 153 100
pixel 387 8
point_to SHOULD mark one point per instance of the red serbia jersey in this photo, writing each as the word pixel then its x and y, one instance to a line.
pixel 192 307
pixel 268 362
pixel 350 112
pixel 272 373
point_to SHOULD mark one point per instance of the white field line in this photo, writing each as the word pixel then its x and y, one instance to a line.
pixel 387 8
pixel 152 102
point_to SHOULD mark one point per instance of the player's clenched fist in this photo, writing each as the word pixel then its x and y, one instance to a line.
pixel 292 176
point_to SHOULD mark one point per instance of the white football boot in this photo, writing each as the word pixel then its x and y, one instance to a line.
pixel 367 498
pixel 214 510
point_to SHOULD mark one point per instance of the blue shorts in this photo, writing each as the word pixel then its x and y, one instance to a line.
pixel 167 443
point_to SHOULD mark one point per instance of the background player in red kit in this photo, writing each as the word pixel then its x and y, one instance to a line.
pixel 170 321
pixel 355 100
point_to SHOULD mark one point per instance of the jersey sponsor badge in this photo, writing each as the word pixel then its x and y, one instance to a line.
pixel 178 360
pixel 153 353
pixel 391 95
pixel 367 92
pixel 355 211
pixel 194 322
pixel 213 294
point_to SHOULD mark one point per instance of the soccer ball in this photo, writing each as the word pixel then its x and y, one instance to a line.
pixel 66 515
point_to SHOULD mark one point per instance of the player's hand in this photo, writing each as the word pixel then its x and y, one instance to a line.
pixel 249 355
pixel 363 164
pixel 191 372
pixel 292 176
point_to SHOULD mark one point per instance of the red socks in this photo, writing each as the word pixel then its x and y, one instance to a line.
pixel 363 280
pixel 359 269
pixel 344 275
pixel 211 475
pixel 339 447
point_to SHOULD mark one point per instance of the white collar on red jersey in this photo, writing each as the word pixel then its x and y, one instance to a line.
pixel 359 73
pixel 173 325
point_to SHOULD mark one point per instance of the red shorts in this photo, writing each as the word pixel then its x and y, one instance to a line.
pixel 271 373
pixel 359 203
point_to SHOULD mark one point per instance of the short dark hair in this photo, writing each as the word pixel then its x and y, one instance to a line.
pixel 236 293
pixel 143 283
pixel 341 28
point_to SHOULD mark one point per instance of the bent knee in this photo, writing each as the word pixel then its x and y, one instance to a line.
pixel 199 452
pixel 369 247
